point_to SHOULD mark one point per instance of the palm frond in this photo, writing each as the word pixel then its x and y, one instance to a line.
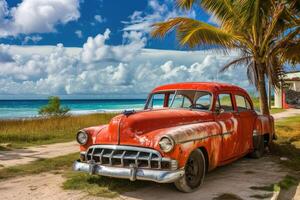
pixel 291 53
pixel 226 11
pixel 275 71
pixel 284 41
pixel 186 4
pixel 252 74
pixel 239 61
pixel 272 25
pixel 192 33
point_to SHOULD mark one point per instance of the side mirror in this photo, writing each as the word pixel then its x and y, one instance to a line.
pixel 220 110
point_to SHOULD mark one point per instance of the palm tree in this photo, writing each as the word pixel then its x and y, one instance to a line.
pixel 266 32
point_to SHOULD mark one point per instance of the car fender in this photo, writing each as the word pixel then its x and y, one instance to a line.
pixel 187 138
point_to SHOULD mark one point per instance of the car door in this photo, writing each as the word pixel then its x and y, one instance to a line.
pixel 246 118
pixel 226 118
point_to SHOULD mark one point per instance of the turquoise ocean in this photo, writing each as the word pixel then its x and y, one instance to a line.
pixel 13 109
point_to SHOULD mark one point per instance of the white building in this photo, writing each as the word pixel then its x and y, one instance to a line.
pixel 288 96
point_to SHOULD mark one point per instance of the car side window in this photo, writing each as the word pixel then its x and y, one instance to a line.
pixel 242 103
pixel 180 101
pixel 157 101
pixel 224 102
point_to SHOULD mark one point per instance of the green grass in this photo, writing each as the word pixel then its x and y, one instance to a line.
pixel 99 185
pixel 39 166
pixel 288 142
pixel 23 133
pixel 286 183
pixel 277 110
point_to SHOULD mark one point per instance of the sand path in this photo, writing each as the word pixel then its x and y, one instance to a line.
pixel 24 156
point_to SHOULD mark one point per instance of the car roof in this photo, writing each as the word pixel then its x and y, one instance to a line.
pixel 206 86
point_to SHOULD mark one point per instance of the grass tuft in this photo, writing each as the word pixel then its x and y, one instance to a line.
pixel 23 133
pixel 100 186
pixel 38 166
pixel 288 182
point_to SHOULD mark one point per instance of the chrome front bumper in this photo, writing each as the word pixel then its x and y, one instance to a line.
pixel 133 173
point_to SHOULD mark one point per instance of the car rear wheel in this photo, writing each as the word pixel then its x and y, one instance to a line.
pixel 259 151
pixel 194 173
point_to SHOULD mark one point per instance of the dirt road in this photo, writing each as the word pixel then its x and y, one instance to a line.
pixel 287 113
pixel 24 156
pixel 235 179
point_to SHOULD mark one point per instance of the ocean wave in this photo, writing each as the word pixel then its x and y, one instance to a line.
pixel 85 112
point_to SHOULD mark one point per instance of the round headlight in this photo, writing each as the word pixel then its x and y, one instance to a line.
pixel 82 137
pixel 166 144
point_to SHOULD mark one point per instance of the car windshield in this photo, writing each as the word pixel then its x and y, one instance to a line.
pixel 189 99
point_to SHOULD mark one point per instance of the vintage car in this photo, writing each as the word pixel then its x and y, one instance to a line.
pixel 184 131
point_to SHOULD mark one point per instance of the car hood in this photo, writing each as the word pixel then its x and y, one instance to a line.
pixel 141 128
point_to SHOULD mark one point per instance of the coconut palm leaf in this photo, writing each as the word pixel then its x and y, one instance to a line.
pixel 193 33
pixel 186 4
pixel 291 53
pixel 252 74
pixel 239 61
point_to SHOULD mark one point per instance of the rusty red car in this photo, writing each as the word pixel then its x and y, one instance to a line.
pixel 184 131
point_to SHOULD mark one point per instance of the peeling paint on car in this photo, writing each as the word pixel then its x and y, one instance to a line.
pixel 224 136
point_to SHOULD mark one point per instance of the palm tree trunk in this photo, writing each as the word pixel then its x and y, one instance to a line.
pixel 263 97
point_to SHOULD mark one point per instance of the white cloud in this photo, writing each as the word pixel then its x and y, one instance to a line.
pixel 34 39
pixel 213 20
pixel 4 54
pixel 95 49
pixel 78 33
pixel 126 70
pixel 142 21
pixel 99 19
pixel 32 16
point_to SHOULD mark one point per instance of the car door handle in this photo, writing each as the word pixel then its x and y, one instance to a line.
pixel 236 113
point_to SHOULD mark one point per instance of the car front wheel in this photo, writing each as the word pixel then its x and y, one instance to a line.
pixel 194 173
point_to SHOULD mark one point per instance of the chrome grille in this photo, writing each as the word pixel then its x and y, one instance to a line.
pixel 127 156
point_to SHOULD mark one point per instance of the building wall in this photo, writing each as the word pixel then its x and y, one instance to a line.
pixel 278 98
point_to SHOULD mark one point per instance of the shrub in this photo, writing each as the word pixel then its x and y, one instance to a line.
pixel 53 108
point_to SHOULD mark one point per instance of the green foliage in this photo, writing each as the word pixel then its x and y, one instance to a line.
pixel 53 108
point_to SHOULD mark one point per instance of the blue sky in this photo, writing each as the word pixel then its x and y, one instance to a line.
pixel 98 49
pixel 95 17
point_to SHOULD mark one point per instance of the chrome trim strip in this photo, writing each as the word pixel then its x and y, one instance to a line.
pixel 203 138
pixel 132 173
pixel 125 148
